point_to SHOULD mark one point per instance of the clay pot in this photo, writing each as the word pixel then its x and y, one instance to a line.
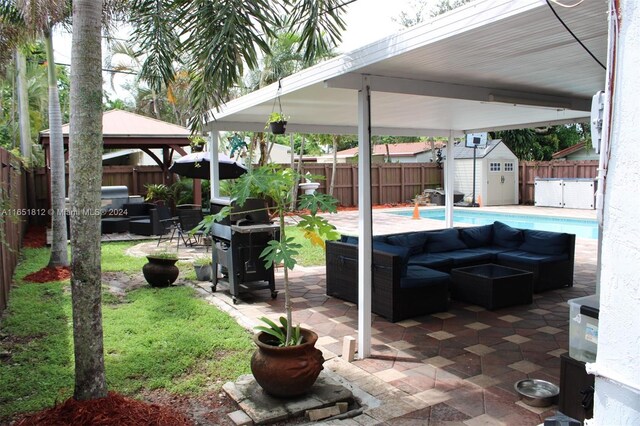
pixel 160 272
pixel 286 372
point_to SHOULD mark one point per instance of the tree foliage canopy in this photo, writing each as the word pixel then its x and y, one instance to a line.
pixel 217 41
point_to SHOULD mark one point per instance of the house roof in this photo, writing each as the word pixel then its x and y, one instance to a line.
pixel 488 65
pixel 125 129
pixel 567 151
pixel 397 150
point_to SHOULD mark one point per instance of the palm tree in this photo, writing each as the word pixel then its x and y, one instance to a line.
pixel 217 40
pixel 85 172
pixel 36 18
pixel 222 40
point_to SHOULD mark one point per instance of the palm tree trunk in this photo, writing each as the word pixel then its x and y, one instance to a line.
pixel 334 164
pixel 59 255
pixel 23 105
pixel 85 181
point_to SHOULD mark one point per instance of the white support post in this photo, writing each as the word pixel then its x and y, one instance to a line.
pixel 214 169
pixel 449 173
pixel 365 220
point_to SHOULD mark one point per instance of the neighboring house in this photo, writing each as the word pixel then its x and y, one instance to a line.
pixel 410 152
pixel 579 151
pixel 496 179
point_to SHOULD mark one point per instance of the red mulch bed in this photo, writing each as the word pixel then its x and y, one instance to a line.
pixel 47 274
pixel 35 237
pixel 115 409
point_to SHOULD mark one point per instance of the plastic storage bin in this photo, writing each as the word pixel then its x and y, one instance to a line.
pixel 583 328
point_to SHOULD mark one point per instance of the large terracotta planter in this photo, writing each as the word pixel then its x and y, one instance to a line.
pixel 160 272
pixel 286 372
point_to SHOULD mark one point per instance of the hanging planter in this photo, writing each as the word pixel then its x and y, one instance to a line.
pixel 197 143
pixel 277 123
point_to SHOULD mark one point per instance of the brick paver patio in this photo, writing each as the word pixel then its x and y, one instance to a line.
pixel 457 367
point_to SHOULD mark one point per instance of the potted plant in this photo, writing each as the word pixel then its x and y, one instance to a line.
pixel 283 347
pixel 161 270
pixel 157 193
pixel 202 266
pixel 197 143
pixel 277 122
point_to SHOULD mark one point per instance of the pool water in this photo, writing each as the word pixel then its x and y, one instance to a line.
pixel 582 228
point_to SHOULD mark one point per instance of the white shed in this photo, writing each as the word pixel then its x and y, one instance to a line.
pixel 496 173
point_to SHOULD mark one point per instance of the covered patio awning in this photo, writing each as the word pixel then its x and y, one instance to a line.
pixel 489 65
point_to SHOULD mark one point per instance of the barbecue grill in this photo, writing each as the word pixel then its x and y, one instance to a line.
pixel 238 241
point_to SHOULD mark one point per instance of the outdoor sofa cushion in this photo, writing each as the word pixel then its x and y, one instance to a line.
pixel 350 239
pixel 477 236
pixel 419 277
pixel 414 240
pixel 431 260
pixel 444 240
pixel 403 252
pixel 506 236
pixel 544 242
pixel 526 257
pixel 466 256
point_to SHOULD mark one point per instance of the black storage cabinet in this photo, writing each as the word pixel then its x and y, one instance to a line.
pixel 576 389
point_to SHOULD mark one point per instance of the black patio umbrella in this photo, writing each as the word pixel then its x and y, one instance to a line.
pixel 196 165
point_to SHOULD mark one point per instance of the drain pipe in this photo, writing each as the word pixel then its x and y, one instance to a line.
pixel 605 141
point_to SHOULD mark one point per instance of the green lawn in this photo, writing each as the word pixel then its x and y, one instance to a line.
pixel 309 255
pixel 154 338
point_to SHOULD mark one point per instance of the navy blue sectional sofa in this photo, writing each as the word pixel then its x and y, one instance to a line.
pixel 411 269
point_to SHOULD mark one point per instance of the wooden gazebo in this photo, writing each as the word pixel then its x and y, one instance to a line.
pixel 126 130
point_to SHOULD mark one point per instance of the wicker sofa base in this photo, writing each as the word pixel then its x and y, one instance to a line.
pixel 548 256
pixel 388 299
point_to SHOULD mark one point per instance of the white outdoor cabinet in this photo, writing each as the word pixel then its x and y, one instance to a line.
pixel 568 193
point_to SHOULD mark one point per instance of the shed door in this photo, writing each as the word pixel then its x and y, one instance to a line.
pixel 501 182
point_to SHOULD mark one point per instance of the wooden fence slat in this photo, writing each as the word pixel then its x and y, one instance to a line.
pixel 391 182
pixel 13 185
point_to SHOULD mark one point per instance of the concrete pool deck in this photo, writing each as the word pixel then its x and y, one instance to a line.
pixel 386 222
pixel 456 367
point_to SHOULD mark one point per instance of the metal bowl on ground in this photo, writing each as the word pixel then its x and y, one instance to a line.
pixel 536 392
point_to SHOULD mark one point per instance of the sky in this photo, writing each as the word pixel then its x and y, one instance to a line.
pixel 366 20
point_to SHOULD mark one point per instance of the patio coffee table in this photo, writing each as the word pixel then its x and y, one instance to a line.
pixel 492 286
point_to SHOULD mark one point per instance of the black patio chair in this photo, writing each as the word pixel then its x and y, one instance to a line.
pixel 157 223
pixel 188 219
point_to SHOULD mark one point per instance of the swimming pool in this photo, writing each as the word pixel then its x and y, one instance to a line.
pixel 582 228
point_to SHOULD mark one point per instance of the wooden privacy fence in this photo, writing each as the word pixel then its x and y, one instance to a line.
pixel 13 215
pixel 391 183
pixel 530 170
pixel 133 177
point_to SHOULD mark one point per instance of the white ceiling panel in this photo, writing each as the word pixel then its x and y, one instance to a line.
pixel 444 74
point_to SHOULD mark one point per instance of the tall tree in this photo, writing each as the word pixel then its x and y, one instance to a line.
pixel 85 140
pixel 23 105
pixel 217 40
pixel 36 19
